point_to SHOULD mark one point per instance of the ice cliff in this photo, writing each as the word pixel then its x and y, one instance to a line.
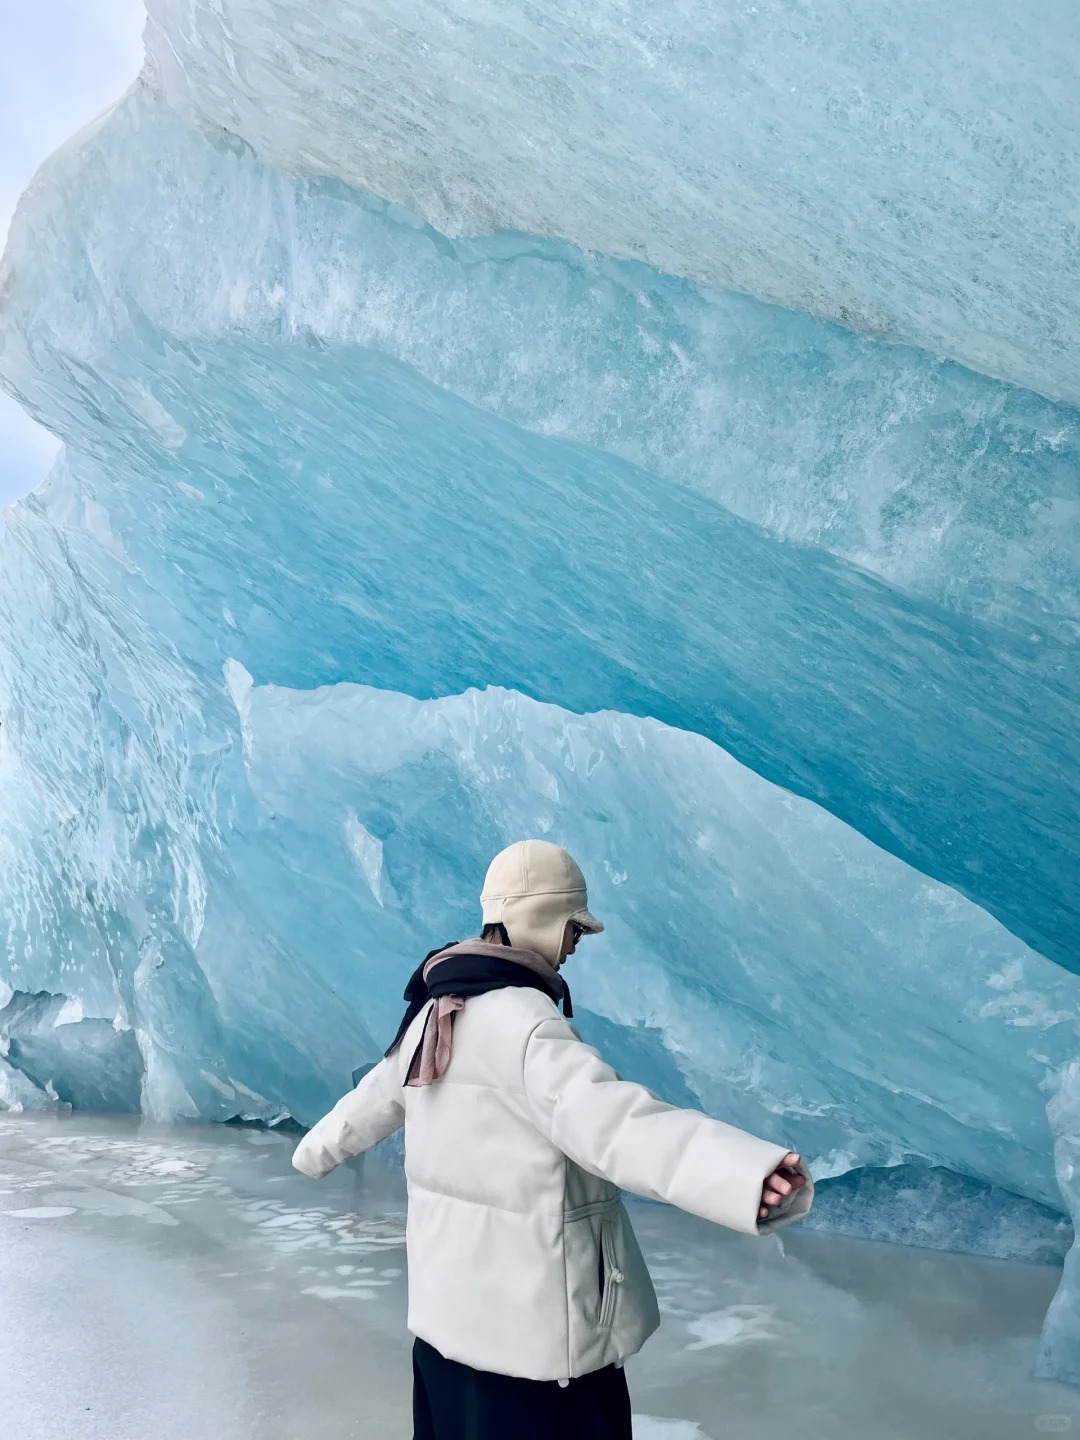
pixel 440 466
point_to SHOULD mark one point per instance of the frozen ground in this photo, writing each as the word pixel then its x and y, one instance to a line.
pixel 164 1282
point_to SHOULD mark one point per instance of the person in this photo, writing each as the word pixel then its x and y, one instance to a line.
pixel 527 1289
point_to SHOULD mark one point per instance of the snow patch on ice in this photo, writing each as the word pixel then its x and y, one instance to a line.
pixel 70 1013
pixel 335 1292
pixel 735 1325
pixel 219 1085
pixel 41 1212
pixel 366 849
pixel 654 1427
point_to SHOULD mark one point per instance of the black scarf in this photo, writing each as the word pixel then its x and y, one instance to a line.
pixel 467 975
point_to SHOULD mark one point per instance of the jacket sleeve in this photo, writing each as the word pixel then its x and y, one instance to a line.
pixel 358 1121
pixel 627 1136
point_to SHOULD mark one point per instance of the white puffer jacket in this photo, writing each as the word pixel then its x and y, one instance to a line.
pixel 521 1255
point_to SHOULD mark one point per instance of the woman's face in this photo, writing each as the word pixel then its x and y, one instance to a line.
pixel 571 935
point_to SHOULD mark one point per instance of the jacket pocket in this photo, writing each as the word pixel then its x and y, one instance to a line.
pixel 612 1275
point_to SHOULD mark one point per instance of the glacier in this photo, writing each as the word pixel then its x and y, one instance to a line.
pixel 474 428
pixel 908 171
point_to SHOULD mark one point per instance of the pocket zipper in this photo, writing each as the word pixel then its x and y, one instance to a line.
pixel 613 1276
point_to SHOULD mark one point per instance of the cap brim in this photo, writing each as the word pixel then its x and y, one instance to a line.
pixel 588 922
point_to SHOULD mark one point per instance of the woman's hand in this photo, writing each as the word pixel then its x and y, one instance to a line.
pixel 784 1179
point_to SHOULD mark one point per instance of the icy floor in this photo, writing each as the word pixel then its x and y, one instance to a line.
pixel 166 1283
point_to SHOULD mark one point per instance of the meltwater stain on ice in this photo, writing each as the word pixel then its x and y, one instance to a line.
pixel 109 1202
pixel 290 1230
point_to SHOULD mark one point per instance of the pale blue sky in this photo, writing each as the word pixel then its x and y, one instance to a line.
pixel 61 63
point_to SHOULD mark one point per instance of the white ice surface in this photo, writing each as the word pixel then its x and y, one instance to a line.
pixel 238 1322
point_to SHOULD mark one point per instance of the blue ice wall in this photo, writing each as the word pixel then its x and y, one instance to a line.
pixel 417 495
pixel 365 492
pixel 905 167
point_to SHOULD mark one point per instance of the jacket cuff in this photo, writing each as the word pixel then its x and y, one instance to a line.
pixel 792 1207
pixel 307 1159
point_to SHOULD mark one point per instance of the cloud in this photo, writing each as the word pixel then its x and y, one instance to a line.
pixel 61 65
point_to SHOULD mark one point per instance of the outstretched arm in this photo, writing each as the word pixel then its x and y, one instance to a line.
pixel 625 1134
pixel 358 1121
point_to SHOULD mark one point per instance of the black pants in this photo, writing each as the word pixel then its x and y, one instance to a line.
pixel 454 1402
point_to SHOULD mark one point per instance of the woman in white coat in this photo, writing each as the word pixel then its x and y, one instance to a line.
pixel 527 1289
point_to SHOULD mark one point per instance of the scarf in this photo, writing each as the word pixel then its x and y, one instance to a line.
pixel 449 977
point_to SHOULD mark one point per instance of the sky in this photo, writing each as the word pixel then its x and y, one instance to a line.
pixel 62 62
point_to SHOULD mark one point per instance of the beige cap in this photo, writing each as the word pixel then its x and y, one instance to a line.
pixel 534 888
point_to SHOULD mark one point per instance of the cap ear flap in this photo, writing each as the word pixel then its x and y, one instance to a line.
pixel 494 912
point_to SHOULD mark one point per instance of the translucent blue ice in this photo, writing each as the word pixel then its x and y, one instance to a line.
pixel 909 169
pixel 371 498
pixel 936 1209
pixel 376 544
